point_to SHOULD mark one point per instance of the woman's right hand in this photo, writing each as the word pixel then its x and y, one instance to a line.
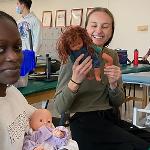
pixel 79 71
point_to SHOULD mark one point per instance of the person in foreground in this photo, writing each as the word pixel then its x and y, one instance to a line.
pixel 94 121
pixel 14 109
pixel 43 136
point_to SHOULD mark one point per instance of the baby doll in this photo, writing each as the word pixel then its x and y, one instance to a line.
pixel 43 135
pixel 76 41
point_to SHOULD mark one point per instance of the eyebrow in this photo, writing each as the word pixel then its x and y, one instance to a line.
pixel 102 23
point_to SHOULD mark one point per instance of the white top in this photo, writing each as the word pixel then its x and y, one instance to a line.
pixel 30 22
pixel 14 114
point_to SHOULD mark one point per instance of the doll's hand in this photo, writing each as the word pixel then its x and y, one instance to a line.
pixel 39 148
pixel 58 133
pixel 80 70
pixel 114 74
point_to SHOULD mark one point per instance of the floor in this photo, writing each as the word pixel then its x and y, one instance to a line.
pixel 128 113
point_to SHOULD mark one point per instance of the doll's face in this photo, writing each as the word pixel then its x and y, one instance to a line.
pixel 76 45
pixel 39 118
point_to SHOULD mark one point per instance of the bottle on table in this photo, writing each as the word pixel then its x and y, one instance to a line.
pixel 136 55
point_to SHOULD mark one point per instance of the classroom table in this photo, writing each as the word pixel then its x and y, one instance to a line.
pixel 37 91
pixel 141 78
pixel 135 69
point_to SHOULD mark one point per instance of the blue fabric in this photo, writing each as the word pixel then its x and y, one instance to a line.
pixel 75 54
pixel 28 62
pixel 138 78
pixel 97 48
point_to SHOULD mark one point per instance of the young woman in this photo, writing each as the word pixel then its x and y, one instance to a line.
pixel 14 109
pixel 94 123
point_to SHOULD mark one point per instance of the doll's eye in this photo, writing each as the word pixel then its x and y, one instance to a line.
pixel 49 121
pixel 41 120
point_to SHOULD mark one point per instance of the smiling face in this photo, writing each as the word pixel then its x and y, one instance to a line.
pixel 99 27
pixel 10 52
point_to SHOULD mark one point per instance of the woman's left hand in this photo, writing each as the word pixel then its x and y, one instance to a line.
pixel 113 73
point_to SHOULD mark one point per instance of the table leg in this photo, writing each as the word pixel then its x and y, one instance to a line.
pixel 145 96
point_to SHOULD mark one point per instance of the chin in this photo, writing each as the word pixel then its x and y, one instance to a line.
pixel 97 42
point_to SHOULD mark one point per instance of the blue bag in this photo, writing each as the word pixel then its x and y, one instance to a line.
pixel 28 62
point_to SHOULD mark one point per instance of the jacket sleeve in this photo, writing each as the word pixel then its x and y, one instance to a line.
pixel 117 96
pixel 64 97
pixel 37 35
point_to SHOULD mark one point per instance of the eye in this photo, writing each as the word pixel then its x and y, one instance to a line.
pixel 94 26
pixel 18 48
pixel 104 26
pixel 41 120
pixel 2 50
pixel 49 121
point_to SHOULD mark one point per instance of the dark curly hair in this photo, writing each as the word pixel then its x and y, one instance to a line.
pixel 70 35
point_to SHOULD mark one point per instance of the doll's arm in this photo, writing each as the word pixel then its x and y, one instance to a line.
pixel 32 140
pixel 29 143
pixel 61 132
pixel 58 133
pixel 108 59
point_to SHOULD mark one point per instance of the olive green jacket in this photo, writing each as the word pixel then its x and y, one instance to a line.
pixel 92 95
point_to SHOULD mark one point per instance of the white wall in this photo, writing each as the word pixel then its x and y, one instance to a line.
pixel 128 15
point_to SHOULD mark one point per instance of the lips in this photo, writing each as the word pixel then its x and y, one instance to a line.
pixel 10 67
pixel 97 36
pixel 11 70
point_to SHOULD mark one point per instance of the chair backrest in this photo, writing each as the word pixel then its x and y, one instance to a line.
pixel 141 117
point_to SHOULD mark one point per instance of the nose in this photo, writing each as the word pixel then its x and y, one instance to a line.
pixel 45 123
pixel 99 29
